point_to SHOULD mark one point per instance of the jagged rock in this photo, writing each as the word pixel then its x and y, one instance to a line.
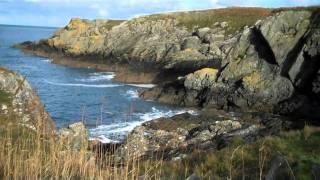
pixel 307 62
pixel 269 67
pixel 283 32
pixel 176 137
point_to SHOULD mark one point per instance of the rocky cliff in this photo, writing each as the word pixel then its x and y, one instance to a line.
pixel 179 41
pixel 20 105
pixel 272 66
pixel 247 59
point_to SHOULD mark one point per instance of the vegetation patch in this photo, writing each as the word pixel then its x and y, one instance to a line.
pixel 5 98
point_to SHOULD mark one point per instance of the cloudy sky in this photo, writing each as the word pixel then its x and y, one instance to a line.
pixel 58 12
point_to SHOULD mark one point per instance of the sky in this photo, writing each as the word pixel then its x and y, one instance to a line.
pixel 57 13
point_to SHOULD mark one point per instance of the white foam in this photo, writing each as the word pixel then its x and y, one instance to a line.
pixel 118 131
pixel 103 139
pixel 143 85
pixel 133 94
pixel 98 76
pixel 47 60
pixel 84 85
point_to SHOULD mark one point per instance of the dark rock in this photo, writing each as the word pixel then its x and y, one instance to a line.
pixel 279 170
pixel 315 172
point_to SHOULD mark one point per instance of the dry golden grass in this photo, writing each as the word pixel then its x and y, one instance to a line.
pixel 28 154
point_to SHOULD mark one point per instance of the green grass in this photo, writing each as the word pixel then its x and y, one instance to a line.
pixel 236 17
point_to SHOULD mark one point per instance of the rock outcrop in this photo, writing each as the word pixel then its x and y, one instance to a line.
pixel 22 104
pixel 145 43
pixel 174 138
pixel 272 67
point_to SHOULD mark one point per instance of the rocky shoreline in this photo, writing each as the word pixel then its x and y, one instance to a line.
pixel 267 68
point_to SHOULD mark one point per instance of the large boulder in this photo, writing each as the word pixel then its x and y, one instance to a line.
pixel 283 32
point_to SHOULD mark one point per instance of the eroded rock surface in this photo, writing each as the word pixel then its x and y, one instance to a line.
pixel 272 67
pixel 173 138
pixel 23 104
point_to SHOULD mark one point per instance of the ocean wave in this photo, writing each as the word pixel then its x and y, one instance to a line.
pixel 47 60
pixel 118 131
pixel 103 139
pixel 98 76
pixel 85 85
pixel 143 85
pixel 132 94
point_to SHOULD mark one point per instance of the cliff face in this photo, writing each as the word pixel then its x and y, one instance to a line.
pixel 177 41
pixel 273 66
pixel 20 104
pixel 268 63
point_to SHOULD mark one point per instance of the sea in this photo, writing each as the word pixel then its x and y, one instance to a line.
pixel 110 110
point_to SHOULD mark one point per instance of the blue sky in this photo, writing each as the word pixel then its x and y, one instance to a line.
pixel 58 12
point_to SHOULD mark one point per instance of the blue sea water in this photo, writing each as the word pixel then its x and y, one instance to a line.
pixel 109 109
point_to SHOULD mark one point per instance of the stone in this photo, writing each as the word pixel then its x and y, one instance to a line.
pixel 202 78
pixel 192 42
pixel 75 136
pixel 221 127
pixel 202 32
pixel 78 128
pixel 224 24
pixel 4 107
pixel 291 24
pixel 279 169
